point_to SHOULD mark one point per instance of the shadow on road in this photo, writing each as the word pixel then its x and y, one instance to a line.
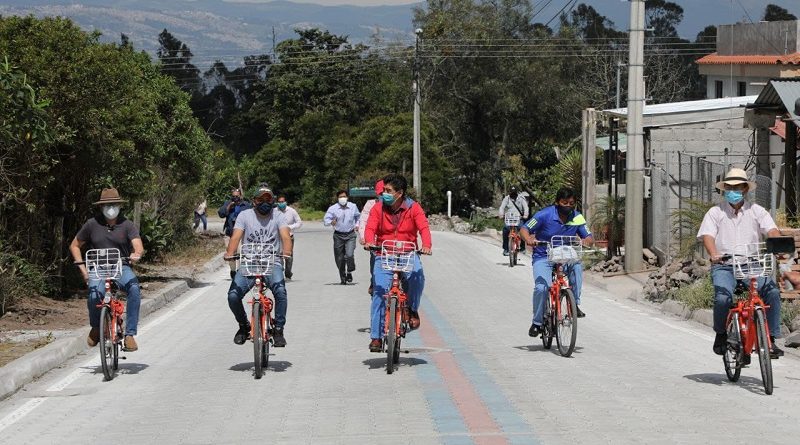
pixel 124 368
pixel 380 363
pixel 539 347
pixel 274 366
pixel 751 384
pixel 363 329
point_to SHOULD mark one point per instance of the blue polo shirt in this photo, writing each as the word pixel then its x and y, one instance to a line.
pixel 546 224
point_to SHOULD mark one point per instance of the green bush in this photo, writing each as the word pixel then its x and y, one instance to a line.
pixel 19 279
pixel 789 310
pixel 697 295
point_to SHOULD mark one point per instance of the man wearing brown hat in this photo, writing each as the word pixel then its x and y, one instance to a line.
pixel 726 228
pixel 109 230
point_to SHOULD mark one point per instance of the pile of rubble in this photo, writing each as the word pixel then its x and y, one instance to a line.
pixel 674 275
pixel 615 264
pixel 443 223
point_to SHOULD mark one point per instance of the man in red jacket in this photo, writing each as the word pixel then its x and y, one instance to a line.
pixel 397 218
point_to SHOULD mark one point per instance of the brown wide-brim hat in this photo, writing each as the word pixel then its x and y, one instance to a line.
pixel 735 177
pixel 110 196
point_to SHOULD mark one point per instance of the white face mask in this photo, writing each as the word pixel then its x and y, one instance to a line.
pixel 342 201
pixel 110 212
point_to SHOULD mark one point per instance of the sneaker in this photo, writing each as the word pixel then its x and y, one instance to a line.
pixel 375 345
pixel 342 281
pixel 413 319
pixel 720 344
pixel 130 344
pixel 505 252
pixel 233 274
pixel 93 338
pixel 369 291
pixel 746 360
pixel 288 276
pixel 534 330
pixel 243 334
pixel 580 313
pixel 278 340
pixel 776 352
pixel 349 277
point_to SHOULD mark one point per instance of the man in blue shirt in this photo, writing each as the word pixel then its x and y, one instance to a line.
pixel 343 216
pixel 562 219
pixel 230 211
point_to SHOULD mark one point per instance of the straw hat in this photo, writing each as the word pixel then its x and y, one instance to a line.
pixel 110 196
pixel 736 176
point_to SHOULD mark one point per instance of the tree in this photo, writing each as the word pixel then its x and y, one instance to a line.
pixel 663 17
pixel 591 25
pixel 175 58
pixel 775 13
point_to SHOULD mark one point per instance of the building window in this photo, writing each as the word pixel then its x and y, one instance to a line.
pixel 741 88
pixel 718 89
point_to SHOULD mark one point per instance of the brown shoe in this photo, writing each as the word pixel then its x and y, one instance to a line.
pixel 130 344
pixel 413 319
pixel 93 338
pixel 375 345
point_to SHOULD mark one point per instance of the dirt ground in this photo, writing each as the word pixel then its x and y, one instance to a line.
pixel 36 321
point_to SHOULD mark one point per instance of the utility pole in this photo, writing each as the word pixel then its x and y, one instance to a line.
pixel 634 174
pixel 417 154
pixel 619 67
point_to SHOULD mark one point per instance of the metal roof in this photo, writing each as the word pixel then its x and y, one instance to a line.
pixel 688 106
pixel 784 93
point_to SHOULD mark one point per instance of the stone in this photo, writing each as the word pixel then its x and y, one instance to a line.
pixel 793 340
pixel 671 268
pixel 681 277
pixel 649 255
pixel 795 325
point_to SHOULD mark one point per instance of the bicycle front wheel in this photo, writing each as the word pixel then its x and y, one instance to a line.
pixel 566 323
pixel 547 324
pixel 763 350
pixel 732 359
pixel 258 339
pixel 108 345
pixel 512 255
pixel 391 335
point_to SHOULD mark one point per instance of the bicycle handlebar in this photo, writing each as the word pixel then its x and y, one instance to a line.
pixel 125 260
pixel 239 256
pixel 379 249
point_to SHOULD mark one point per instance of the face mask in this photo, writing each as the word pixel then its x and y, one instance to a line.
pixel 387 198
pixel 734 196
pixel 110 212
pixel 236 199
pixel 564 210
pixel 264 208
pixel 342 201
pixel 282 205
pixel 513 195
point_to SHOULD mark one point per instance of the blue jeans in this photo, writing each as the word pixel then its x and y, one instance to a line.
pixel 543 279
pixel 724 283
pixel 241 284
pixel 383 282
pixel 127 282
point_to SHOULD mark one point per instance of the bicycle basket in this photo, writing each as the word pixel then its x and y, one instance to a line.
pixel 511 220
pixel 257 259
pixel 752 261
pixel 103 263
pixel 398 255
pixel 564 249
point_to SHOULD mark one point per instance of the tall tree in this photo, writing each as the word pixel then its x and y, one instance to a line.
pixel 176 62
pixel 775 13
pixel 663 17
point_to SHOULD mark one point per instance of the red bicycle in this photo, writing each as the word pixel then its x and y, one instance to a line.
pixel 560 309
pixel 106 265
pixel 746 324
pixel 514 240
pixel 256 260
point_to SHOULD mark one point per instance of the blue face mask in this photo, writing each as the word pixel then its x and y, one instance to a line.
pixel 282 205
pixel 264 208
pixel 734 196
pixel 387 198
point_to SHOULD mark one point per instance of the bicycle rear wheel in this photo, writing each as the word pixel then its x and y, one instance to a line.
pixel 547 324
pixel 764 359
pixel 732 358
pixel 258 340
pixel 108 345
pixel 391 335
pixel 268 327
pixel 566 326
pixel 117 342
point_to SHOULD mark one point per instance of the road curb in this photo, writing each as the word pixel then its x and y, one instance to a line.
pixel 17 373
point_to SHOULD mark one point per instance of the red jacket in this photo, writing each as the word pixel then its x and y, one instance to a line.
pixel 402 225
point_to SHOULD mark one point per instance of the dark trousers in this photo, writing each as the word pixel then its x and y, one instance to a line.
pixel 287 262
pixel 344 246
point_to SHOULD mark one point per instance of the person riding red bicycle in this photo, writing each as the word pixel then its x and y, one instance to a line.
pixel 560 218
pixel 397 218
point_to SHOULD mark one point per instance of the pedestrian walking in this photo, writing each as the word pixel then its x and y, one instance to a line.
pixel 513 205
pixel 343 217
pixel 293 221
pixel 200 215
pixel 362 226
pixel 230 211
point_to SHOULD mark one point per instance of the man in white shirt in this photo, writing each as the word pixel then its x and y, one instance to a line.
pixel 293 221
pixel 343 217
pixel 362 226
pixel 513 205
pixel 736 222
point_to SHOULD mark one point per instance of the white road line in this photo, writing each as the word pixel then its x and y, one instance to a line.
pixel 20 412
pixel 187 300
pixel 682 329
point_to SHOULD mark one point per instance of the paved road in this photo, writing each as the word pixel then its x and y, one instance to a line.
pixel 472 375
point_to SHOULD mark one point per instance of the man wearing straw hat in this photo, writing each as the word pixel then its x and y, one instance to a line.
pixel 106 231
pixel 737 222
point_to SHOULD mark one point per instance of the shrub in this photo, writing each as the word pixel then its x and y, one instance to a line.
pixel 698 295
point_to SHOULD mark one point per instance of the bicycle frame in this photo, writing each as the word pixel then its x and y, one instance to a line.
pixel 746 309
pixel 116 307
pixel 266 303
pixel 513 238
pixel 396 290
pixel 560 281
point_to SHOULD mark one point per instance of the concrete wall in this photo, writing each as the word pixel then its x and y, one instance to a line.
pixel 763 38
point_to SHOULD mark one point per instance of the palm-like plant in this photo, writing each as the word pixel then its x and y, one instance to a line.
pixel 609 218
pixel 685 224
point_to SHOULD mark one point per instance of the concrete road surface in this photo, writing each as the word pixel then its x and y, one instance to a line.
pixel 471 375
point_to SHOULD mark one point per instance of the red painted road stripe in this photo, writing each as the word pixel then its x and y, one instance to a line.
pixel 471 407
